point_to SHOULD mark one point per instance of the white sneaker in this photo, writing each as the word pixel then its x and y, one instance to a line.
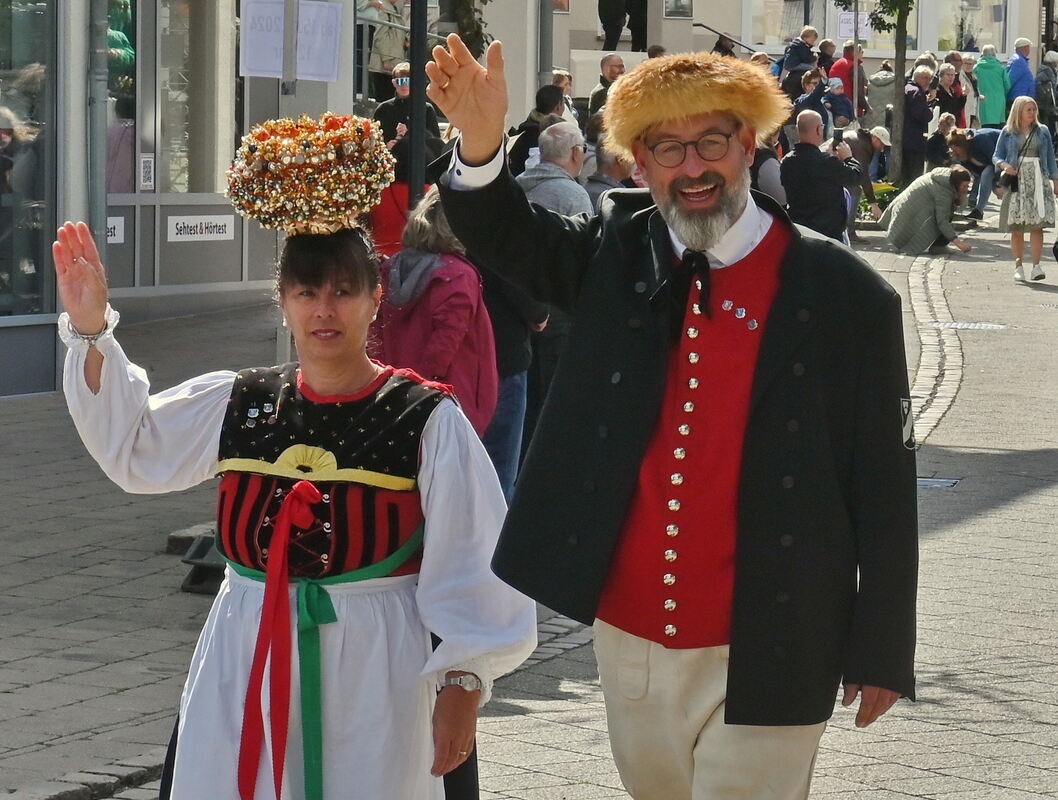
pixel 1019 272
pixel 1037 273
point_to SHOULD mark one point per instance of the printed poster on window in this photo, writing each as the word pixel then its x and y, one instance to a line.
pixel 319 36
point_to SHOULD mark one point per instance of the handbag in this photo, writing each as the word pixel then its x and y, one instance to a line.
pixel 1008 181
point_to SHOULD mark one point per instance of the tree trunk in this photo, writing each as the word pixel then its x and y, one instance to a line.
pixel 896 154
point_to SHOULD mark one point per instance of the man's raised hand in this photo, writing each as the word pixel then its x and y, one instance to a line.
pixel 473 98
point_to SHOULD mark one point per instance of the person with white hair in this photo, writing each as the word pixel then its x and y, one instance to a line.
pixel 1022 84
pixel 553 182
pixel 993 83
pixel 968 82
pixel 918 99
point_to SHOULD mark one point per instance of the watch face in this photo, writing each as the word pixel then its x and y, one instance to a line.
pixel 469 683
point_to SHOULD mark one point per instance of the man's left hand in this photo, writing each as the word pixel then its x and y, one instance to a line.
pixel 876 211
pixel 873 702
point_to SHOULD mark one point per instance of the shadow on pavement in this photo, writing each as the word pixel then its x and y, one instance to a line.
pixel 989 479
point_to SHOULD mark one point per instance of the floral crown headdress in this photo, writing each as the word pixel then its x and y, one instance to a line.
pixel 310 176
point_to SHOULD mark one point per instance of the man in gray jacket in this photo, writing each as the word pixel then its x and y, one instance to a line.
pixel 553 182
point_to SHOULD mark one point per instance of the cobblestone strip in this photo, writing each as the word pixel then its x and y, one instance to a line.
pixel 940 362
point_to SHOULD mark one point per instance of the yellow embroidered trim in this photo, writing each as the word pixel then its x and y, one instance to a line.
pixel 326 474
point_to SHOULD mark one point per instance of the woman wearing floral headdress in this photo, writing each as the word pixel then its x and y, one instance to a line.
pixel 358 511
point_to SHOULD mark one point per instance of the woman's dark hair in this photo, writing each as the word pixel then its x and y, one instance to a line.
pixel 315 259
pixel 959 175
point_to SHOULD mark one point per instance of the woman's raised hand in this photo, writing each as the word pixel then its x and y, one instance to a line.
pixel 472 97
pixel 81 278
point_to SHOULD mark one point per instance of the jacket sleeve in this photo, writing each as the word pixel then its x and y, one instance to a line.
pixel 451 319
pixel 1001 148
pixel 881 646
pixel 1047 153
pixel 846 172
pixel 544 253
pixel 942 209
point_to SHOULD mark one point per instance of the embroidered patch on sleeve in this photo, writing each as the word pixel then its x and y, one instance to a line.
pixel 907 420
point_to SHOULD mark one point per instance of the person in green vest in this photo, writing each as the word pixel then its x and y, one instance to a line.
pixel 993 83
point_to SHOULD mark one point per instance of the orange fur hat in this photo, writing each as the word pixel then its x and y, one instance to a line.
pixel 681 86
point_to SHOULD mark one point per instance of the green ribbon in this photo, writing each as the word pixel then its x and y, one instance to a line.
pixel 314 608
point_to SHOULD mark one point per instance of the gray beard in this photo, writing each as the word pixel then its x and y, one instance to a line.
pixel 701 230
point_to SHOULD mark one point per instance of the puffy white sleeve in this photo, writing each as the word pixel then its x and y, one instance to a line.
pixel 485 626
pixel 144 443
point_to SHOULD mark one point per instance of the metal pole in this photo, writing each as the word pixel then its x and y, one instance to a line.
pixel 855 61
pixel 417 129
pixel 98 96
pixel 289 84
pixel 808 11
pixel 545 56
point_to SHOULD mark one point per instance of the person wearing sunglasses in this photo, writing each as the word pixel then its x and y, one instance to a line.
pixel 395 113
pixel 722 478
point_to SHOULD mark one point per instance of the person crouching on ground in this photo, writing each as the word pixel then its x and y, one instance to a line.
pixel 974 149
pixel 919 219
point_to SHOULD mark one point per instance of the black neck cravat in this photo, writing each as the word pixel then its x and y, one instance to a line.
pixel 695 266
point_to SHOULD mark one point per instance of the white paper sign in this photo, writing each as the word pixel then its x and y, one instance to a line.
pixel 846 21
pixel 202 228
pixel 319 37
pixel 147 172
pixel 115 230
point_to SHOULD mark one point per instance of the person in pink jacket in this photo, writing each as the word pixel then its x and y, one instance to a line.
pixel 433 319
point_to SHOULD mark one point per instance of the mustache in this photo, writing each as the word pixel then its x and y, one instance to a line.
pixel 685 181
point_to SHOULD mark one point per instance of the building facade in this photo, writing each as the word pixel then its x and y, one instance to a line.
pixel 176 108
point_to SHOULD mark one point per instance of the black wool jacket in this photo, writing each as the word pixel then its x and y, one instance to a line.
pixel 815 188
pixel 827 543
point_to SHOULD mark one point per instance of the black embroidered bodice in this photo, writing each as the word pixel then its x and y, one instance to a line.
pixel 361 452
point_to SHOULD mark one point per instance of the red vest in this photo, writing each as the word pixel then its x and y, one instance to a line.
pixel 672 575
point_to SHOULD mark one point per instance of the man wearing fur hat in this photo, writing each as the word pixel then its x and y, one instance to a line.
pixel 723 478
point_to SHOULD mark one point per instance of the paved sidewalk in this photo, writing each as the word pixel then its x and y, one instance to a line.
pixel 95 635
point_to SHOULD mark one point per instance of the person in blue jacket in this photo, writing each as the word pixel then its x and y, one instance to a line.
pixel 974 150
pixel 1022 81
pixel 838 103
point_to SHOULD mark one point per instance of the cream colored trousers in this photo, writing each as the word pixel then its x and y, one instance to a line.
pixel 665 714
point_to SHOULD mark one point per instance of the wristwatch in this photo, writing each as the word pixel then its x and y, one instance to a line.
pixel 468 682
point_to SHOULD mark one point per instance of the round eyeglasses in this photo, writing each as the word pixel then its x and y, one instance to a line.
pixel 710 147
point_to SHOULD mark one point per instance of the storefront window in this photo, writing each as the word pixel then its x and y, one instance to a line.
pixel 196 101
pixel 27 156
pixel 886 42
pixel 967 25
pixel 121 109
pixel 776 22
